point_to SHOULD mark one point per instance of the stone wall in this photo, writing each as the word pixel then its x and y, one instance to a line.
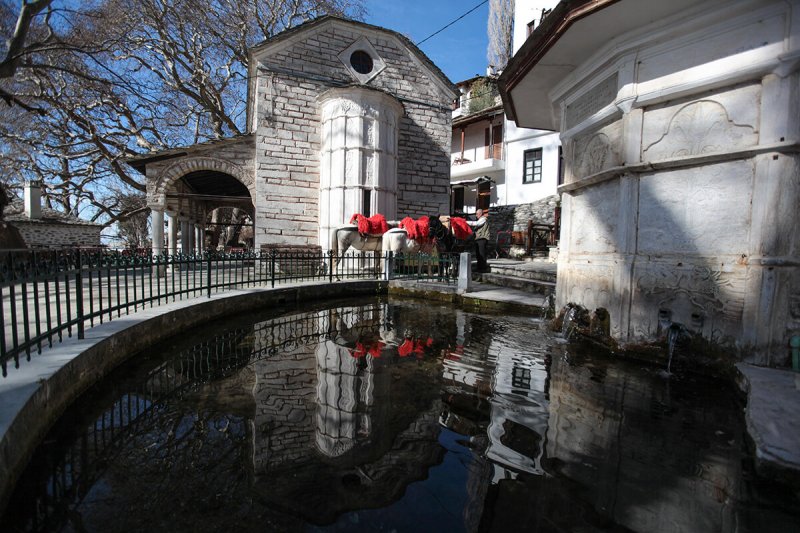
pixel 516 217
pixel 291 76
pixel 42 235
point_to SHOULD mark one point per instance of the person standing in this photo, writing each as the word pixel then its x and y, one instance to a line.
pixel 481 229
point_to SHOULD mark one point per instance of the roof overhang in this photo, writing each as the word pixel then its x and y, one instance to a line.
pixel 573 32
pixel 473 181
pixel 485 114
pixel 140 162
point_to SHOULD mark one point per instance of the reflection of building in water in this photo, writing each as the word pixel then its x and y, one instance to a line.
pixel 488 382
pixel 326 424
pixel 519 412
pixel 495 396
pixel 646 460
pixel 344 398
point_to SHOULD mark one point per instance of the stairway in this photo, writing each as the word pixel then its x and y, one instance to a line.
pixel 537 277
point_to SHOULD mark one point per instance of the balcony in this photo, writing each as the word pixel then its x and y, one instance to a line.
pixel 461 170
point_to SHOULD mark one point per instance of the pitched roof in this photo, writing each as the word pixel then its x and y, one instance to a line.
pixel 15 214
pixel 313 23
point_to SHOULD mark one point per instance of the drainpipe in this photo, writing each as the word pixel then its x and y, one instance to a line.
pixel 794 343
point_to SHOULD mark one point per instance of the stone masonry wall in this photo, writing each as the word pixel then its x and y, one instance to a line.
pixel 38 235
pixel 290 78
pixel 516 217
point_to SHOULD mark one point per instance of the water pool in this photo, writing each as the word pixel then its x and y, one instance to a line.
pixel 393 415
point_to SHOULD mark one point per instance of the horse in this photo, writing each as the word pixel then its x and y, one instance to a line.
pixel 342 238
pixel 439 238
pixel 357 236
pixel 452 234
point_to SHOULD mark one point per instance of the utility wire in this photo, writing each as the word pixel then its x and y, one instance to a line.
pixel 450 24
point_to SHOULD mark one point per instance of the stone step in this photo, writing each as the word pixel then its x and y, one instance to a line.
pixel 535 286
pixel 531 274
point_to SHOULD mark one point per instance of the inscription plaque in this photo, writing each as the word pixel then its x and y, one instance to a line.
pixel 591 102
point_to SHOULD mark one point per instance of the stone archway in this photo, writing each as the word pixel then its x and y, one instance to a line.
pixel 185 191
pixel 166 178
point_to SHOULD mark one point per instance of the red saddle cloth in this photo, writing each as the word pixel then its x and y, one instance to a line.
pixel 461 229
pixel 362 350
pixel 419 229
pixel 374 225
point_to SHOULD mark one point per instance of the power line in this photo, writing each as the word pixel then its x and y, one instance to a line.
pixel 450 24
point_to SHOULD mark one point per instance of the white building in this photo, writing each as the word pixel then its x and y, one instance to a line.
pixel 494 162
pixel 680 127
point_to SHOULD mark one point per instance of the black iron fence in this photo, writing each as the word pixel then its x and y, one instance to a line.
pixel 47 295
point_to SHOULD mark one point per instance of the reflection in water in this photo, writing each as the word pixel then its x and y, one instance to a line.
pixel 394 415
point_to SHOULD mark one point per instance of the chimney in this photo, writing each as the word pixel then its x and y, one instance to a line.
pixel 33 199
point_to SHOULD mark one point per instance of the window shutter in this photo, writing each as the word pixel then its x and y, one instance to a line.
pixel 497 142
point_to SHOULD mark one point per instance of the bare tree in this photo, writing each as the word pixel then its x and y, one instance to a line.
pixel 500 30
pixel 85 85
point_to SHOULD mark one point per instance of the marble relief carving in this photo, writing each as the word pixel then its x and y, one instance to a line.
pixel 596 152
pixel 700 128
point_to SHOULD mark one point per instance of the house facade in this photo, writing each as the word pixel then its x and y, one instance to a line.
pixel 343 118
pixel 496 164
pixel 679 122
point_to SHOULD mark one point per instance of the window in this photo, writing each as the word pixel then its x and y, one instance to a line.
pixel 560 165
pixel 458 200
pixel 484 198
pixel 532 166
pixel 361 62
pixel 493 142
pixel 366 203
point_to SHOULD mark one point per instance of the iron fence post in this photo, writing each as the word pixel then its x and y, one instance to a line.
pixel 79 295
pixel 272 267
pixel 208 273
pixel 330 266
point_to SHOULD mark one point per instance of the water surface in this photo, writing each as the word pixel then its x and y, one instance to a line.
pixel 389 415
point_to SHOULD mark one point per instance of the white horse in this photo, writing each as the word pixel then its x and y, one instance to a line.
pixel 342 238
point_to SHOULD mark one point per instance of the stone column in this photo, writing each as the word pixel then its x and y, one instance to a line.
pixel 157 230
pixel 199 241
pixel 172 234
pixel 185 235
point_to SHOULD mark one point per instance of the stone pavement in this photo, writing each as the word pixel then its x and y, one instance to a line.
pixel 773 419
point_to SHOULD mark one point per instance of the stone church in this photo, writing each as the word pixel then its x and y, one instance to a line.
pixel 343 118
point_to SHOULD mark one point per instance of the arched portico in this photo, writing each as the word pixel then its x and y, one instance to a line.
pixel 189 187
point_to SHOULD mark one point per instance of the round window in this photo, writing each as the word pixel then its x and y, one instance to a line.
pixel 361 62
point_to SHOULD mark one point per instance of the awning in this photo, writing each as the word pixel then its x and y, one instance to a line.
pixel 473 181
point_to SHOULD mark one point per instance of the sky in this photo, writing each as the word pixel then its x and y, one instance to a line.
pixel 460 50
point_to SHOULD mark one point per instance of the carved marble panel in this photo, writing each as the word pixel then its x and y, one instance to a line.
pixel 703 298
pixel 594 219
pixel 703 210
pixel 726 121
pixel 592 101
pixel 597 151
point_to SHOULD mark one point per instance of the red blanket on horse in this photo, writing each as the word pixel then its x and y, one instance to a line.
pixel 461 229
pixel 418 230
pixel 374 225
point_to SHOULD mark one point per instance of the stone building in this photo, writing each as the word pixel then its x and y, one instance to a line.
pixel 42 227
pixel 680 129
pixel 343 118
